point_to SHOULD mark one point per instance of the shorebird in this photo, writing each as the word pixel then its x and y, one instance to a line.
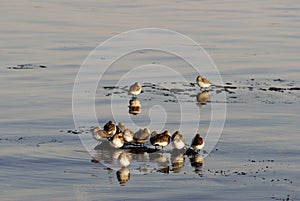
pixel 124 159
pixel 135 89
pixel 197 142
pixel 110 127
pixel 161 139
pixel 128 135
pixel 117 140
pixel 178 141
pixel 123 175
pixel 141 136
pixel 152 138
pixel 99 134
pixel 203 82
pixel 121 127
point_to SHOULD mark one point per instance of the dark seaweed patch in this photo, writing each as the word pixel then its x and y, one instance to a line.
pixel 278 89
pixel 26 66
pixel 230 87
pixel 110 87
pixel 294 88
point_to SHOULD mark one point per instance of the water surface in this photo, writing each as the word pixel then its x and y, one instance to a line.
pixel 257 155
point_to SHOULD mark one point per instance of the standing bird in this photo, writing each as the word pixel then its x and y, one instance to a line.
pixel 141 136
pixel 110 128
pixel 117 140
pixel 203 82
pixel 178 141
pixel 135 89
pixel 161 139
pixel 152 138
pixel 197 142
pixel 99 134
pixel 128 135
pixel 121 127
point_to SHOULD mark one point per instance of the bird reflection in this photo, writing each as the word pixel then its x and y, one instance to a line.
pixel 140 156
pixel 165 170
pixel 124 159
pixel 134 106
pixel 123 175
pixel 202 98
pixel 177 160
pixel 104 152
pixel 162 159
pixel 197 162
pixel 150 160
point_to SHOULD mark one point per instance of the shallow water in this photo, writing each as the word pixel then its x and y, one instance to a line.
pixel 256 157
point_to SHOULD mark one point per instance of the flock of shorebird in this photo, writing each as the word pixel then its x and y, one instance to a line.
pixel 119 136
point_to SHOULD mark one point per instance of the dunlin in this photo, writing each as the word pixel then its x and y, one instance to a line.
pixel 141 136
pixel 203 82
pixel 128 135
pixel 117 140
pixel 99 134
pixel 161 139
pixel 178 141
pixel 197 142
pixel 152 137
pixel 120 127
pixel 110 127
pixel 135 89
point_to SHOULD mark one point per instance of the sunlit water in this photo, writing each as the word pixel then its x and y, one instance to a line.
pixel 256 48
